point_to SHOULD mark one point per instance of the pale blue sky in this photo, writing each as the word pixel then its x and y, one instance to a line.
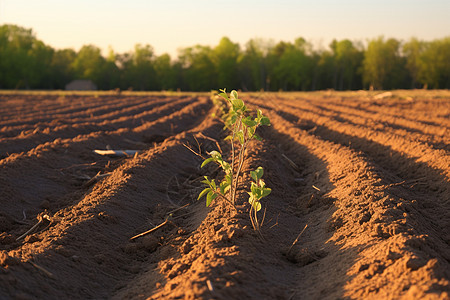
pixel 170 24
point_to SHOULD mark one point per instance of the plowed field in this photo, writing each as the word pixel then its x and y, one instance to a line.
pixel 366 178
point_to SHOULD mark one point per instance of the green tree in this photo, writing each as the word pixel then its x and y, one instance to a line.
pixel 413 51
pixel 383 66
pixel 110 72
pixel 24 60
pixel 347 59
pixel 295 69
pixel 252 65
pixel 225 59
pixel 434 69
pixel 61 68
pixel 165 73
pixel 89 64
pixel 198 69
pixel 142 68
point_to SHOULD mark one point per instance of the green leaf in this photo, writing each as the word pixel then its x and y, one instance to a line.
pixel 255 203
pixel 234 95
pixel 233 119
pixel 206 181
pixel 266 192
pixel 254 176
pixel 216 155
pixel 228 178
pixel 265 121
pixel 210 197
pixel 259 173
pixel 254 188
pixel 251 131
pixel 240 136
pixel 258 193
pixel 226 167
pixel 258 113
pixel 257 137
pixel 213 184
pixel 223 94
pixel 207 161
pixel 223 187
pixel 249 122
pixel 237 104
pixel 228 138
pixel 202 193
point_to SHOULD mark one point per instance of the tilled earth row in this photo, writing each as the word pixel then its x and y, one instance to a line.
pixel 365 180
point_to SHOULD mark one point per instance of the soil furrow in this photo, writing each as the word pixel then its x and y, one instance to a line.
pixel 91 238
pixel 25 142
pixel 433 113
pixel 73 105
pixel 67 121
pixel 102 111
pixel 363 205
pixel 436 141
pixel 412 130
pixel 62 175
pixel 434 158
pixel 391 120
pixel 147 133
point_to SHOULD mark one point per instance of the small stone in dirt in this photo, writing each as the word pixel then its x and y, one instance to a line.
pixel 149 243
pixel 299 256
pixel 415 263
pixel 75 258
pixel 186 247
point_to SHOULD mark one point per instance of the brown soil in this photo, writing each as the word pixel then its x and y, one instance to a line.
pixel 368 177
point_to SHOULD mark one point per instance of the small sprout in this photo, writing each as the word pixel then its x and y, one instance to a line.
pixel 258 190
pixel 236 118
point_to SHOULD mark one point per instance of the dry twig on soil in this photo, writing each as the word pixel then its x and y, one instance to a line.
pixel 96 178
pixel 49 274
pixel 40 218
pixel 116 152
pixel 293 164
pixel 151 230
pixel 296 239
pixel 211 139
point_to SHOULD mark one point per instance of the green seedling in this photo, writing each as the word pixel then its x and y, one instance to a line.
pixel 258 190
pixel 243 128
pixel 212 190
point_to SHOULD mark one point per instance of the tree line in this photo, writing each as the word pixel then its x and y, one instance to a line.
pixel 28 63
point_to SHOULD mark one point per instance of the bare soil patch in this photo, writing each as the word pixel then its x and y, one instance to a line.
pixel 369 177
